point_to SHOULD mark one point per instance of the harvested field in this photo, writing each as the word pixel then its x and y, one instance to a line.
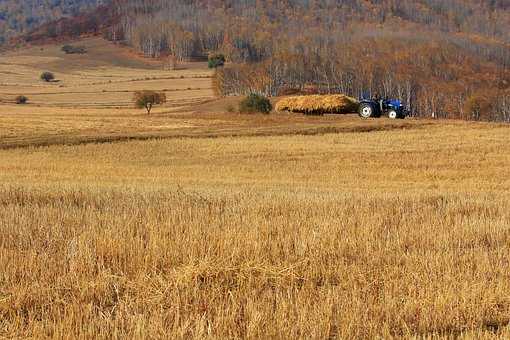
pixel 395 233
pixel 105 77
pixel 28 125
pixel 196 223
pixel 318 104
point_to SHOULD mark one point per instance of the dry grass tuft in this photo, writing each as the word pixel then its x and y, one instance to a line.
pixel 318 104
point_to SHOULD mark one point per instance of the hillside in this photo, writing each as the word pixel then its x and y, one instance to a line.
pixel 91 98
pixel 18 17
pixel 444 59
pixel 447 59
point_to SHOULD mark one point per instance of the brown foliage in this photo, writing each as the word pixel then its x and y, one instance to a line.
pixel 477 105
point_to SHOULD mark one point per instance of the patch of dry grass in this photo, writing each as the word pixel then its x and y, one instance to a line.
pixel 393 233
pixel 29 125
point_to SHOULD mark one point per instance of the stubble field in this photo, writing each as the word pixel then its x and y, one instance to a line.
pixel 276 226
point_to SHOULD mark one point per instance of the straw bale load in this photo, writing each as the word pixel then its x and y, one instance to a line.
pixel 318 104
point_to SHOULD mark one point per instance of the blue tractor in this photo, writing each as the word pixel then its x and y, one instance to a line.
pixel 375 108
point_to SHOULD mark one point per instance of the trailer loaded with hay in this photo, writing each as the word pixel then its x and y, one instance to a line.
pixel 339 103
pixel 318 104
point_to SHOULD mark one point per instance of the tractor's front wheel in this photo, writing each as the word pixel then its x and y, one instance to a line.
pixel 392 114
pixel 366 110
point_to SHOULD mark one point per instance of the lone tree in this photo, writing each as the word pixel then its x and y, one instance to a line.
pixel 147 99
pixel 47 76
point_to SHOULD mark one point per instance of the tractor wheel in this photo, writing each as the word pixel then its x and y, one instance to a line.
pixel 392 114
pixel 366 110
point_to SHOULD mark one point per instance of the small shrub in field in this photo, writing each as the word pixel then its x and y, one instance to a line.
pixel 147 99
pixel 216 60
pixel 255 103
pixel 21 99
pixel 69 49
pixel 230 108
pixel 47 76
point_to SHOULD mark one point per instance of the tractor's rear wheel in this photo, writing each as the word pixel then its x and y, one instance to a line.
pixel 366 110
